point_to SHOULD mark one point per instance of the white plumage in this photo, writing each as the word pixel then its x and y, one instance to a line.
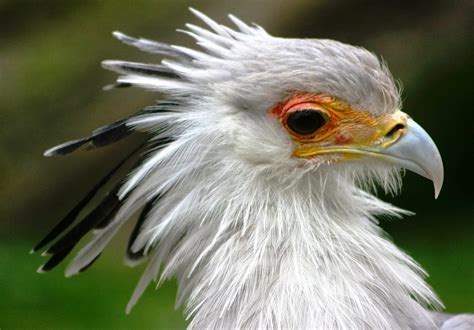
pixel 256 236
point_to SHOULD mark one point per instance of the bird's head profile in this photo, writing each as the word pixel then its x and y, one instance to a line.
pixel 291 104
pixel 253 192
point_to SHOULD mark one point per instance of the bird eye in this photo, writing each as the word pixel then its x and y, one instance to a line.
pixel 305 122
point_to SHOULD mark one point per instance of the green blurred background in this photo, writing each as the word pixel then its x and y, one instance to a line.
pixel 51 91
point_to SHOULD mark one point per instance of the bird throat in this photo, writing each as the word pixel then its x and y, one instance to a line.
pixel 307 255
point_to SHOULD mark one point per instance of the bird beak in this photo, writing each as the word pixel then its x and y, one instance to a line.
pixel 416 151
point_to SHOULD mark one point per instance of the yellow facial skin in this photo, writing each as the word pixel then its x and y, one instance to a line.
pixel 347 132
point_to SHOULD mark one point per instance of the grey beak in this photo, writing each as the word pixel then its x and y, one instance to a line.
pixel 416 151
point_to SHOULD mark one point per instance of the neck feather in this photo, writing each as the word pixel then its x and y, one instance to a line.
pixel 251 251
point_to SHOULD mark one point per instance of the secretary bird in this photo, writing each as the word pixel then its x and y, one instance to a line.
pixel 253 188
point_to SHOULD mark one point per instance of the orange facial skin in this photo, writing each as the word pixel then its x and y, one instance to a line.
pixel 346 131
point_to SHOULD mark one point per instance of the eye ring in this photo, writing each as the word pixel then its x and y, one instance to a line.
pixel 306 121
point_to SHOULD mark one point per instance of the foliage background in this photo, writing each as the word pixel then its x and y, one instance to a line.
pixel 50 83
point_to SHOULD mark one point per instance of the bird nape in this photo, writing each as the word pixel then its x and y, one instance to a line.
pixel 254 191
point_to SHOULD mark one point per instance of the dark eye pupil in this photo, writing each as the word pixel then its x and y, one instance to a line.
pixel 305 122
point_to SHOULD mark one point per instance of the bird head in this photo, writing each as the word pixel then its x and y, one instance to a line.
pixel 291 105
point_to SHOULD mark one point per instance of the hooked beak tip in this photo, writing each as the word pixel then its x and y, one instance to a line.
pixel 437 190
pixel 438 184
pixel 417 152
